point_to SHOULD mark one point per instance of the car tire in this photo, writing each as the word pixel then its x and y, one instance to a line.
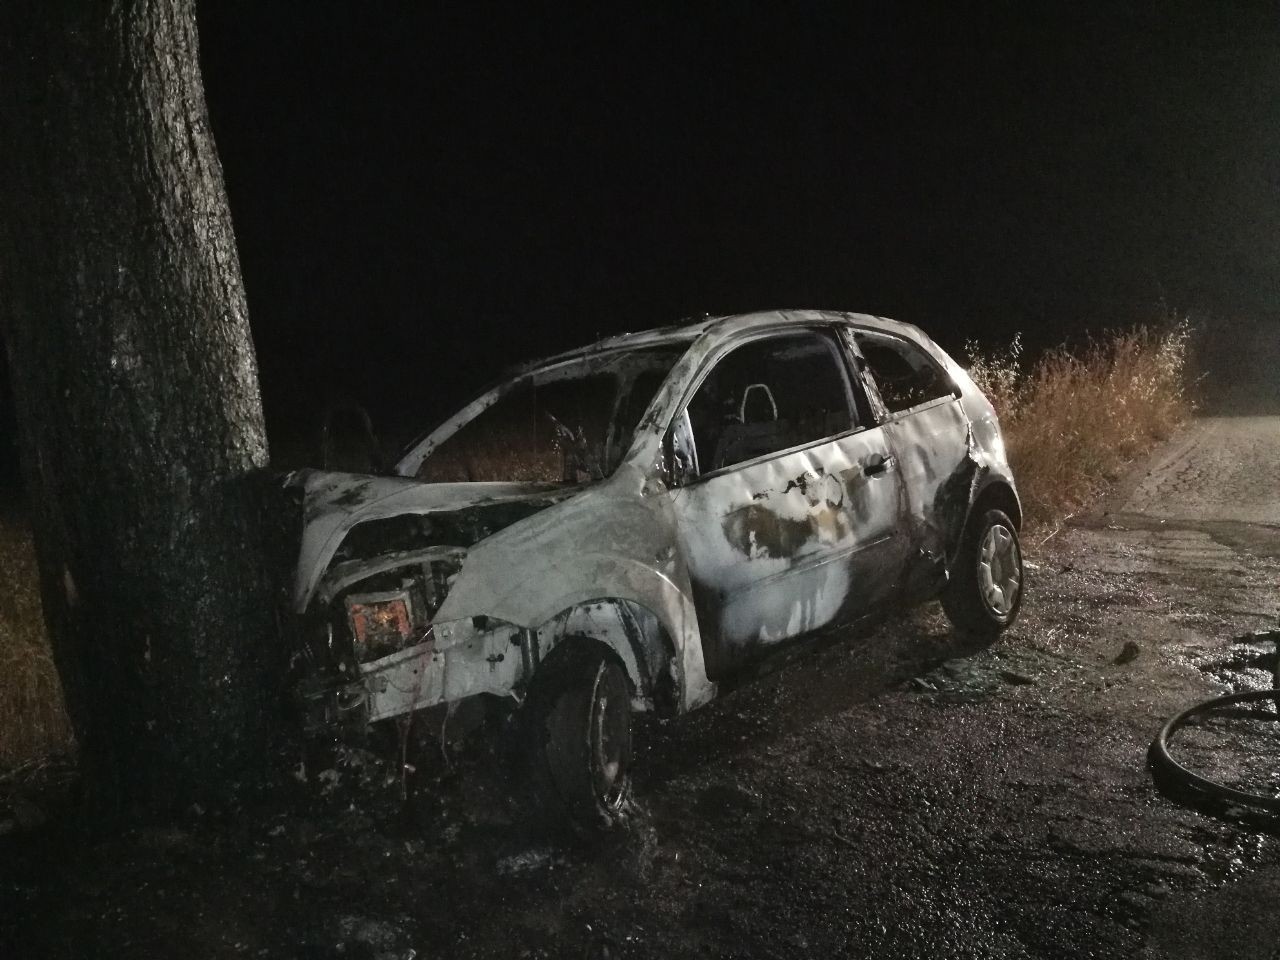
pixel 578 726
pixel 984 592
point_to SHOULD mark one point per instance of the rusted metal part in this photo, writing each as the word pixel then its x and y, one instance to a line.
pixel 682 568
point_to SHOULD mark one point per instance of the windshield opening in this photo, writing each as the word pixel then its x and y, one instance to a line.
pixel 569 423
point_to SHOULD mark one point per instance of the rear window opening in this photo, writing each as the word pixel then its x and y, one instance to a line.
pixel 904 374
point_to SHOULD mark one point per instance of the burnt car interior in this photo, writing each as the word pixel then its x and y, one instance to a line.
pixel 771 395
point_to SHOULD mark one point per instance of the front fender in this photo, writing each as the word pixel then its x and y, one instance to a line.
pixel 611 542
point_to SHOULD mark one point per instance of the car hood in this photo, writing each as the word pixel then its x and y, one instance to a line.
pixel 334 503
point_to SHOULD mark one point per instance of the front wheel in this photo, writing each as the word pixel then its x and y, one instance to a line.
pixel 579 722
pixel 984 592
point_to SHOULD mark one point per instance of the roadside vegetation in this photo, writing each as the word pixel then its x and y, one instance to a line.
pixel 33 724
pixel 1073 419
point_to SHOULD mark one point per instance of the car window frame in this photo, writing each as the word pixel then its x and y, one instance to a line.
pixel 842 358
pixel 873 387
pixel 497 390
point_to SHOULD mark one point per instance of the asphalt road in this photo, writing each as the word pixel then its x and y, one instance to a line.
pixel 889 794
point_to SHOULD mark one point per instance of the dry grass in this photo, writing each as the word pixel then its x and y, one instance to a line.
pixel 1074 419
pixel 33 723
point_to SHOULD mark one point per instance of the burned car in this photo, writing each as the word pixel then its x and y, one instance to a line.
pixel 624 527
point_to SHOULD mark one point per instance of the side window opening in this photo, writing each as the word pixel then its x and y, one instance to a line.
pixel 770 395
pixel 905 375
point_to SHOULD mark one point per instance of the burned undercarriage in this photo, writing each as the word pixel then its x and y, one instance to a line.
pixel 620 528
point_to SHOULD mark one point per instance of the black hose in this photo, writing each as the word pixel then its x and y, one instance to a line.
pixel 1164 762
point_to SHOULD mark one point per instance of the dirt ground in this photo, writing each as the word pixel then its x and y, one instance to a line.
pixel 883 794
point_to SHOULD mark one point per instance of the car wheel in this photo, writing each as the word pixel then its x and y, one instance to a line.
pixel 984 592
pixel 579 723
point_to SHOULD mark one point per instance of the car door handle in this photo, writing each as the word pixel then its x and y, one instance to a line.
pixel 877 465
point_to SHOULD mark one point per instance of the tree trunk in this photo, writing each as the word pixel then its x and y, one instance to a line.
pixel 135 383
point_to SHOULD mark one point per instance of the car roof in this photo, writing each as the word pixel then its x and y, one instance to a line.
pixel 726 326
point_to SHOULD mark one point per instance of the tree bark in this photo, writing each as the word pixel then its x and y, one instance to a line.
pixel 135 383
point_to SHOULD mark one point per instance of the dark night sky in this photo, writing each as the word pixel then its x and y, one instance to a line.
pixel 422 197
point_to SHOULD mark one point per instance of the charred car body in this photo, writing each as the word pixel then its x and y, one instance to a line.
pixel 620 528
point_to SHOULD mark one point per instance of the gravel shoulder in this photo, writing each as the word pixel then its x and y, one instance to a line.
pixel 883 793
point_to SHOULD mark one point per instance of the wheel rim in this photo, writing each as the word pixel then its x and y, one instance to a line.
pixel 610 742
pixel 1000 569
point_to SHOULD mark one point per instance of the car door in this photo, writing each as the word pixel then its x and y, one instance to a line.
pixel 788 499
pixel 927 428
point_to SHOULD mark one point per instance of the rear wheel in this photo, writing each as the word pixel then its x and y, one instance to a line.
pixel 984 593
pixel 579 724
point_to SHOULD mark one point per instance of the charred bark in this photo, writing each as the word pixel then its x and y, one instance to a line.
pixel 135 382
